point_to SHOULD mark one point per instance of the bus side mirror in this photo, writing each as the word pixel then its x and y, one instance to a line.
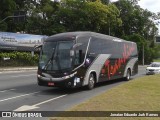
pixel 78 57
pixel 37 47
pixel 87 62
pixel 77 45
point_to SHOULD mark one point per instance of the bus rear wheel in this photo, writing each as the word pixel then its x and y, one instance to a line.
pixel 91 82
pixel 128 76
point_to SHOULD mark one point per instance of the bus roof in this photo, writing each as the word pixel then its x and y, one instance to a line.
pixel 73 35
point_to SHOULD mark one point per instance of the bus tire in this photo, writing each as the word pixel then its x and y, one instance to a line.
pixel 91 82
pixel 39 83
pixel 128 75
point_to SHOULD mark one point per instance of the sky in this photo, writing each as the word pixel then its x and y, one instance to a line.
pixel 151 5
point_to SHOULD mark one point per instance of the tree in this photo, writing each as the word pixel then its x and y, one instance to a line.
pixel 106 1
pixel 136 20
pixel 87 16
pixel 7 8
pixel 41 17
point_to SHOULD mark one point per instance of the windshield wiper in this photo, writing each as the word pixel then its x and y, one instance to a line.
pixel 50 59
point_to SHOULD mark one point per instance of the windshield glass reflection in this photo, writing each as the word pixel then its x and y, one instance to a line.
pixel 56 55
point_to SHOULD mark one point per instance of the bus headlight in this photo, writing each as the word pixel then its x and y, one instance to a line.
pixel 69 76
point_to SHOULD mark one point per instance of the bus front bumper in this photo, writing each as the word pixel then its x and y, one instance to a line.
pixel 69 81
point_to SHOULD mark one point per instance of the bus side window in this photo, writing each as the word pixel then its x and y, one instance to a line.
pixel 106 46
pixel 94 48
pixel 80 51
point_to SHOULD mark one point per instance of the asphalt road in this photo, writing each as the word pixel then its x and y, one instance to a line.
pixel 19 91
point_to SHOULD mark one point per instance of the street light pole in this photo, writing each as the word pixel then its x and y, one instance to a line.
pixel 109 29
pixel 143 55
pixel 11 17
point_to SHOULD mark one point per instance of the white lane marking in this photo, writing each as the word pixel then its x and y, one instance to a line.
pixel 18 96
pixel 8 72
pixel 7 90
pixel 50 100
pixel 23 75
pixel 8 77
pixel 31 107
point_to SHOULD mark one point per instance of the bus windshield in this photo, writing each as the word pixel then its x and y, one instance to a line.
pixel 56 55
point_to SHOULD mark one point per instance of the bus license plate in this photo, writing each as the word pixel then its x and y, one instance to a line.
pixel 50 84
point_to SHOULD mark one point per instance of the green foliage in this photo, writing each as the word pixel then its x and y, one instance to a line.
pixel 88 16
pixel 140 94
pixel 138 26
pixel 18 59
pixel 123 19
pixel 7 8
pixel 135 20
pixel 156 60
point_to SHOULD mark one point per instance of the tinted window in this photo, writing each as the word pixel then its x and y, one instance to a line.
pixel 80 50
pixel 94 47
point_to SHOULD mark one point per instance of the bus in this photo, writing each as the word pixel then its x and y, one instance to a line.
pixel 75 59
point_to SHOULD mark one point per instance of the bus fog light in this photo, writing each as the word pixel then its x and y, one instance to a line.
pixel 76 80
pixel 69 83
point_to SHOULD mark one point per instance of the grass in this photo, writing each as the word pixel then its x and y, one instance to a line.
pixel 141 94
pixel 156 60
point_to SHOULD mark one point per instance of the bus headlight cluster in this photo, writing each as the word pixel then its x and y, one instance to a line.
pixel 76 80
pixel 69 76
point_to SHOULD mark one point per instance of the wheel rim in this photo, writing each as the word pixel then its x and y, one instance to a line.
pixel 128 75
pixel 91 82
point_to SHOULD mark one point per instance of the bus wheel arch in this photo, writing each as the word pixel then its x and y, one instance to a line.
pixel 91 80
